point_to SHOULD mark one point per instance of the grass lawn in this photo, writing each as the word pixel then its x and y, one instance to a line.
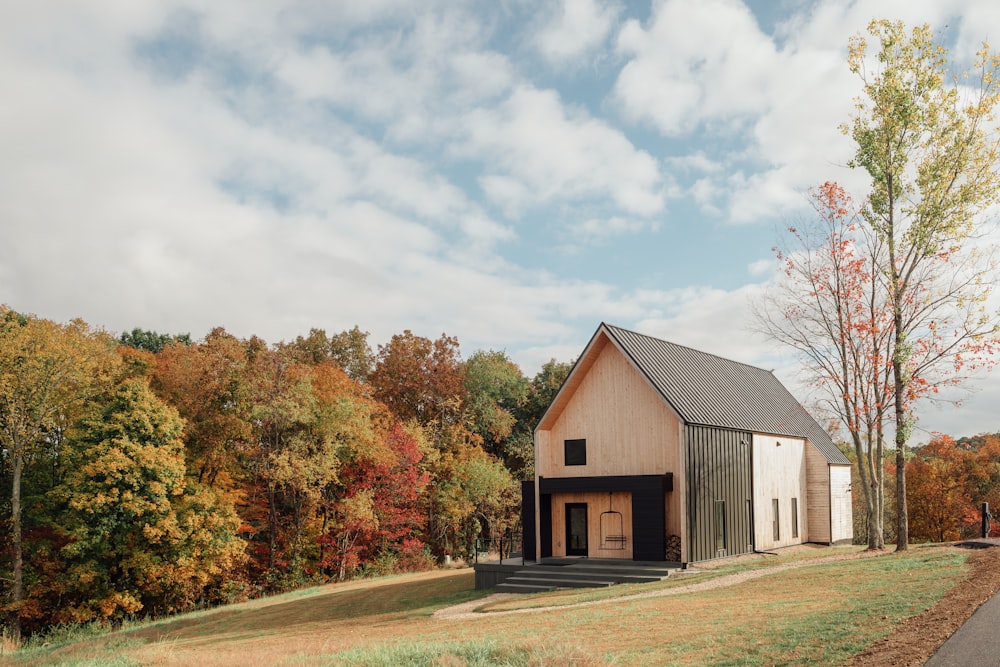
pixel 819 613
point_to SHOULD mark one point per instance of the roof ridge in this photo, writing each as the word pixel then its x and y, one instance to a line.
pixel 688 347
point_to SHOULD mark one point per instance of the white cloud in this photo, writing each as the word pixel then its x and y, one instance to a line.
pixel 576 28
pixel 597 230
pixel 557 152
pixel 694 63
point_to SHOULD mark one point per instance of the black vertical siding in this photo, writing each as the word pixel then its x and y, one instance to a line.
pixel 649 521
pixel 545 523
pixel 718 468
pixel 528 519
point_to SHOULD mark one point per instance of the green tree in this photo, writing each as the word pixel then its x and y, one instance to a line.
pixel 495 390
pixel 151 341
pixel 932 155
pixel 47 372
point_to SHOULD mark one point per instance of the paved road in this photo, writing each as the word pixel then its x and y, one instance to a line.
pixel 975 643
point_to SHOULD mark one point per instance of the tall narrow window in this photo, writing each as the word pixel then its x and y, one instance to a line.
pixel 775 525
pixel 795 517
pixel 576 452
pixel 720 525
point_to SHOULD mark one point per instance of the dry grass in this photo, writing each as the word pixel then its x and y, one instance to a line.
pixel 820 613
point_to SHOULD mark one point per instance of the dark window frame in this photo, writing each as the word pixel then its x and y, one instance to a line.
pixel 720 525
pixel 795 517
pixel 776 523
pixel 575 452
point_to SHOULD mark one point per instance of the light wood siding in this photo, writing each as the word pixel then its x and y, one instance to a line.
pixel 841 516
pixel 718 468
pixel 629 428
pixel 779 472
pixel 597 504
pixel 818 496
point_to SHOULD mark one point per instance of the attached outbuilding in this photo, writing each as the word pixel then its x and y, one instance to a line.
pixel 657 452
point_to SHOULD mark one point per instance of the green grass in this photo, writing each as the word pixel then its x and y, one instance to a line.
pixel 714 570
pixel 475 653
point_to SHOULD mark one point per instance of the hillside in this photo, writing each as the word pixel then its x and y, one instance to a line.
pixel 808 605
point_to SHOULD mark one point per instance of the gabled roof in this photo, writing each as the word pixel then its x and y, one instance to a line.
pixel 707 390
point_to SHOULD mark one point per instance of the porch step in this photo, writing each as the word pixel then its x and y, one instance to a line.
pixel 507 587
pixel 602 575
pixel 558 583
pixel 584 573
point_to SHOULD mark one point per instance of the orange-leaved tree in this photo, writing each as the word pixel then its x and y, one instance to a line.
pixel 828 307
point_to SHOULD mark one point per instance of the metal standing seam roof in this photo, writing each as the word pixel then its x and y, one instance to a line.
pixel 708 390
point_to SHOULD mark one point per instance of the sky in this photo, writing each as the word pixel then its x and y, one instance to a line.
pixel 509 172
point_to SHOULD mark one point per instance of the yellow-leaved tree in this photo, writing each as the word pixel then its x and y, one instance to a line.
pixel 47 372
pixel 928 141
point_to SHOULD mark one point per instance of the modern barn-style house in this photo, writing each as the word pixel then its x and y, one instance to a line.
pixel 657 452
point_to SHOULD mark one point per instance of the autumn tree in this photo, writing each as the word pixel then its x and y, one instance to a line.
pixel 937 491
pixel 47 371
pixel 932 155
pixel 141 537
pixel 209 384
pixel 828 306
pixel 348 349
pixel 420 379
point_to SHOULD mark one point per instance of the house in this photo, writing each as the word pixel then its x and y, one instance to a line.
pixel 657 452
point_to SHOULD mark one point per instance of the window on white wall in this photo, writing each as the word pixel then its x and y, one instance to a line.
pixel 795 517
pixel 775 524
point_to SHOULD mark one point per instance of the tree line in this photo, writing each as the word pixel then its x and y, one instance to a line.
pixel 151 473
pixel 948 480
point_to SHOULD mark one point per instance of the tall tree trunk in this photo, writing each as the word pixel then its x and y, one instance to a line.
pixel 17 592
pixel 272 523
pixel 902 426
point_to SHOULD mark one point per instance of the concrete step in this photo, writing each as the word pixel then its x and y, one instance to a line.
pixel 551 574
pixel 554 573
pixel 507 587
pixel 558 583
pixel 611 569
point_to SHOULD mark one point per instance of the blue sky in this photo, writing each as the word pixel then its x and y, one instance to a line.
pixel 511 173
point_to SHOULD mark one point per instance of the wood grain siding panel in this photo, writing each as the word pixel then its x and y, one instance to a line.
pixel 718 469
pixel 597 503
pixel 629 428
pixel 841 509
pixel 648 495
pixel 779 473
pixel 818 496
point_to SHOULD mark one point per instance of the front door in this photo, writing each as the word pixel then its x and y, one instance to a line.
pixel 576 529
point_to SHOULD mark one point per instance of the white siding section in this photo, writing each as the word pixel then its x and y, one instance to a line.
pixel 779 472
pixel 842 515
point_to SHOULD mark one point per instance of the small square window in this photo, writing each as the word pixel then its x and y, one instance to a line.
pixel 576 452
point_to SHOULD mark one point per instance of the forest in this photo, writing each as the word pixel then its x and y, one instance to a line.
pixel 146 473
